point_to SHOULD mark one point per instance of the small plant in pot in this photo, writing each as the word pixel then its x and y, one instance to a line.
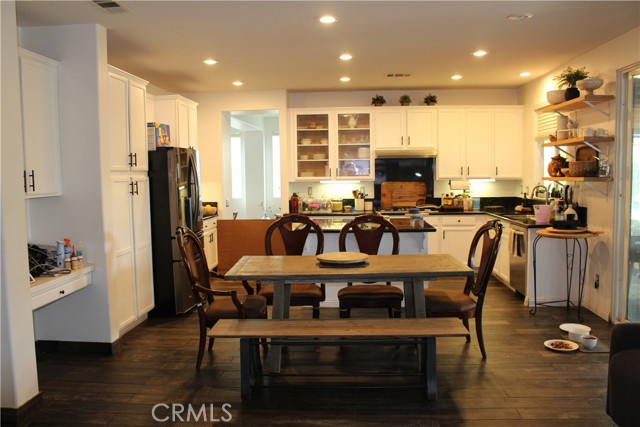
pixel 568 78
pixel 378 100
pixel 405 100
pixel 431 99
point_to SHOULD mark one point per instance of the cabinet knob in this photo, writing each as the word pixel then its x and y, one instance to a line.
pixel 62 292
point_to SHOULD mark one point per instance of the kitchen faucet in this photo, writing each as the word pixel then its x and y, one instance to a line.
pixel 546 193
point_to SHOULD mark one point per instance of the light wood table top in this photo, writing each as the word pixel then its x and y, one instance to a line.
pixel 380 268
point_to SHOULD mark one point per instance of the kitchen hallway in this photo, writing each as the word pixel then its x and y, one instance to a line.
pixel 520 384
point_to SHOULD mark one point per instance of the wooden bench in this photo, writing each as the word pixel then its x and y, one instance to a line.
pixel 339 332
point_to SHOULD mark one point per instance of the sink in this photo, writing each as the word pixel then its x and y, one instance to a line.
pixel 522 218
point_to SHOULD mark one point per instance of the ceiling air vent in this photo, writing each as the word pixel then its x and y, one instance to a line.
pixel 393 75
pixel 110 6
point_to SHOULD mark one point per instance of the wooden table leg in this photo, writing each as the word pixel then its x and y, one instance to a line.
pixel 409 305
pixel 247 368
pixel 281 299
pixel 420 310
pixel 429 367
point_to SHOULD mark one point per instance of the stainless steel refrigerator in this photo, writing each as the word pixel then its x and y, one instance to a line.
pixel 175 200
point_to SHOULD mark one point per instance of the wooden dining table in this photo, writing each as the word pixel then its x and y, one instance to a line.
pixel 411 270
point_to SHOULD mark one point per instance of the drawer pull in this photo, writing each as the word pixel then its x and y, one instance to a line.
pixel 62 292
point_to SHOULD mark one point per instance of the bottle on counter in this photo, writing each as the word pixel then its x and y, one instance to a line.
pixel 294 204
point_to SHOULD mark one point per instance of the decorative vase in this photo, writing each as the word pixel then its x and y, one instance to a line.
pixel 405 104
pixel 557 162
pixel 377 104
pixel 571 93
pixel 352 122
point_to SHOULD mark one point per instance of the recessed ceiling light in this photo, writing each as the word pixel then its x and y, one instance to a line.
pixel 456 77
pixel 210 61
pixel 480 53
pixel 327 19
pixel 345 79
pixel 238 83
pixel 519 16
pixel 525 74
pixel 346 57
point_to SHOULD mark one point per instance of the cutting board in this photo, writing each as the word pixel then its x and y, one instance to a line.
pixel 402 194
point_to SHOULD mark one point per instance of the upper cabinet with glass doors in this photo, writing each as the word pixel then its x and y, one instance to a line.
pixel 332 145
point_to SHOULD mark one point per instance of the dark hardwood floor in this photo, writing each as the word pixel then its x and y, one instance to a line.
pixel 520 384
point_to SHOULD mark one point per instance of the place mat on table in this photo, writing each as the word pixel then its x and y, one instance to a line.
pixel 599 348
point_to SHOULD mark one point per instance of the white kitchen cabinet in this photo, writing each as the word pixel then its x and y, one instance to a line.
pixel 479 137
pixel 181 114
pixel 480 143
pixel 332 145
pixel 127 128
pixel 454 234
pixel 408 129
pixel 131 248
pixel 501 267
pixel 40 125
pixel 451 144
pixel 508 131
pixel 210 241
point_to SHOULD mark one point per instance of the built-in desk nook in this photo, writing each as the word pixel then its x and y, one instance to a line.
pixel 45 290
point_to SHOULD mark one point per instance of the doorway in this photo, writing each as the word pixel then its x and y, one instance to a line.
pixel 251 167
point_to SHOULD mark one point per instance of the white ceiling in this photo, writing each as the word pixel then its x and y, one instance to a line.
pixel 278 44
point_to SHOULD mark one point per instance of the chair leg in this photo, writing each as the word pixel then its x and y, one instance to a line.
pixel 210 344
pixel 345 312
pixel 480 338
pixel 203 339
pixel 465 322
pixel 316 311
pixel 390 310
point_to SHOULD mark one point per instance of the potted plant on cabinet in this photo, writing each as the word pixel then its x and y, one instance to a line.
pixel 378 100
pixel 405 100
pixel 569 77
pixel 431 99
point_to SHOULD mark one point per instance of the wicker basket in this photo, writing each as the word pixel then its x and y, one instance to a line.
pixel 583 168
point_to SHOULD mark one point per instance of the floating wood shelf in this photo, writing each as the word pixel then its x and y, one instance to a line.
pixel 578 178
pixel 577 103
pixel 579 141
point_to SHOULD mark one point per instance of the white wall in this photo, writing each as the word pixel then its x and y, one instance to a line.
pixel 600 62
pixel 18 359
pixel 79 214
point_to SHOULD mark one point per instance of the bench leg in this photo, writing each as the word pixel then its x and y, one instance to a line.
pixel 428 368
pixel 248 367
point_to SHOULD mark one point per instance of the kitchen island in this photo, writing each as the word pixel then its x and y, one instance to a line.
pixel 413 234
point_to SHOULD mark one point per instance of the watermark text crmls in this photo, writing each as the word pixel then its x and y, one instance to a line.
pixel 178 412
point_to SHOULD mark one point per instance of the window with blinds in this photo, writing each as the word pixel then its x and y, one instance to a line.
pixel 546 125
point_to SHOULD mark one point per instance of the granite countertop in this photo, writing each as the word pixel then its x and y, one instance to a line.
pixel 404 225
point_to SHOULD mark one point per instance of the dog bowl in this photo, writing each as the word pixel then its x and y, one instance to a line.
pixel 589 342
pixel 577 332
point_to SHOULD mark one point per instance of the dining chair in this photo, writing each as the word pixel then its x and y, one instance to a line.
pixel 213 305
pixel 368 231
pixel 467 303
pixel 294 230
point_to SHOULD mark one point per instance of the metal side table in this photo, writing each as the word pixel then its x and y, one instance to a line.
pixel 572 239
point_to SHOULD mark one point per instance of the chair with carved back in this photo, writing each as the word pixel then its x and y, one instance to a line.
pixel 213 305
pixel 368 231
pixel 468 302
pixel 294 230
